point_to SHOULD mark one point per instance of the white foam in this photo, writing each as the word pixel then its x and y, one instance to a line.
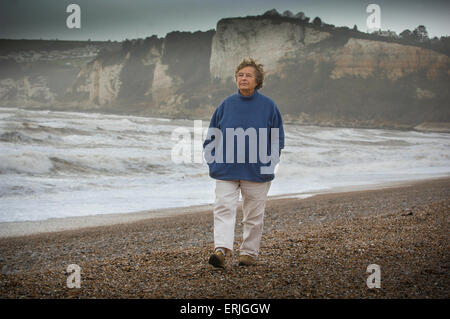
pixel 79 164
pixel 28 162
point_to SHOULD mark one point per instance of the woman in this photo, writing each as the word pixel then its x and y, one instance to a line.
pixel 256 122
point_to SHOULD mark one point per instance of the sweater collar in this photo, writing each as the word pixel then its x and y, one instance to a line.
pixel 255 93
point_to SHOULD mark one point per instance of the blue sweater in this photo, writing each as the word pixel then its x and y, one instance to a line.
pixel 245 117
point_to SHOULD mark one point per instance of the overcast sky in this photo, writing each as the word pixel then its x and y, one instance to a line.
pixel 120 19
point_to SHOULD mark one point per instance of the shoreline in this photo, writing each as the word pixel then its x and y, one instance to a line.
pixel 424 127
pixel 63 224
pixel 316 247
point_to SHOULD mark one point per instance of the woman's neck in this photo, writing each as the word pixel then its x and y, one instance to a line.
pixel 246 92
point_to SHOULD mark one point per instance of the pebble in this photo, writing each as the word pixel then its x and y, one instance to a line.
pixel 308 250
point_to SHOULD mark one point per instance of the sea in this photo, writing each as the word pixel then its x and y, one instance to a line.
pixel 60 164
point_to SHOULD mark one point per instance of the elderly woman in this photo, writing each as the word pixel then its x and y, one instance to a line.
pixel 256 122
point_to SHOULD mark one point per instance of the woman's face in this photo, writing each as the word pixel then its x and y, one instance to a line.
pixel 246 80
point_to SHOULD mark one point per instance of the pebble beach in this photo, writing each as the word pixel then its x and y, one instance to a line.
pixel 315 247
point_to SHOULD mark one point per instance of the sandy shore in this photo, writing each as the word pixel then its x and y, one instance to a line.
pixel 315 247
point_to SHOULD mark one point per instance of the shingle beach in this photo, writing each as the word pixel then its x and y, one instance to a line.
pixel 316 247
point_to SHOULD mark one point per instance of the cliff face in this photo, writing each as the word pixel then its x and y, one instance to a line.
pixel 260 38
pixel 101 84
pixel 37 73
pixel 360 82
pixel 27 91
pixel 363 58
pixel 316 74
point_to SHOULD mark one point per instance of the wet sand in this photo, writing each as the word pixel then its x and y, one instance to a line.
pixel 315 247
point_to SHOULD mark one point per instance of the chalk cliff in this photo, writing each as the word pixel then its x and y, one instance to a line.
pixel 261 39
pixel 317 74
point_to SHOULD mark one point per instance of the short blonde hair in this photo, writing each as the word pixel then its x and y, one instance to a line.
pixel 259 70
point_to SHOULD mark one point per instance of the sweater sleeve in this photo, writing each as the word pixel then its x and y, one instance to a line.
pixel 277 122
pixel 214 123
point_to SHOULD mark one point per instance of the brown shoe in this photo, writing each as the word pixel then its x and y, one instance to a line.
pixel 246 260
pixel 217 259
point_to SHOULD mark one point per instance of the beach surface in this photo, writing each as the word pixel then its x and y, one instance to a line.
pixel 314 247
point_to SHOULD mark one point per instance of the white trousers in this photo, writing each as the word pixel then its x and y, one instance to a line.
pixel 254 197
